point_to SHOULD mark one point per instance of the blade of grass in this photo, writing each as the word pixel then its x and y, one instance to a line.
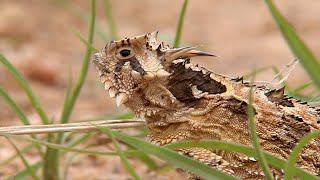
pixel 25 162
pixel 165 169
pixel 22 175
pixel 254 137
pixel 257 71
pixel 249 151
pixel 67 99
pixel 128 115
pixel 18 110
pixel 122 156
pixel 300 88
pixel 67 165
pixel 174 158
pixel 85 41
pixel 80 139
pixel 85 66
pixel 70 149
pixel 148 161
pixel 111 23
pixel 13 157
pixel 288 170
pixel 74 8
pixel 23 83
pixel 51 164
pixel 51 168
pixel 315 98
pixel 296 45
pixel 180 24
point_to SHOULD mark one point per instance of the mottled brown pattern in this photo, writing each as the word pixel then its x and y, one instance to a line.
pixel 180 101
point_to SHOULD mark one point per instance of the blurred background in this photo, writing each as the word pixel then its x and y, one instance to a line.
pixel 39 38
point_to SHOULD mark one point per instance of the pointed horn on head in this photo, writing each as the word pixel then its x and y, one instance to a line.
pixel 184 52
pixel 142 40
pixel 152 40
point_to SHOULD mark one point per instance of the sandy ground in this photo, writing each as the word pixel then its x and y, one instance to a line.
pixel 38 38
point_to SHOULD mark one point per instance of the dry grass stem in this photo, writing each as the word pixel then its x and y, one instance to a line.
pixel 71 127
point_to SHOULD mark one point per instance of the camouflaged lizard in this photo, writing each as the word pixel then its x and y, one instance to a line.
pixel 180 101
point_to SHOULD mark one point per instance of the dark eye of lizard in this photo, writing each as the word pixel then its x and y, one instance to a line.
pixel 125 52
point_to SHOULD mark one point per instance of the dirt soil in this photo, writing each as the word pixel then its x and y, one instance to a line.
pixel 38 38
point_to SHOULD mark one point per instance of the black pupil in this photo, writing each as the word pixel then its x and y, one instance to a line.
pixel 125 52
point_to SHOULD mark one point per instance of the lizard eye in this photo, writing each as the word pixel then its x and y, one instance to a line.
pixel 125 52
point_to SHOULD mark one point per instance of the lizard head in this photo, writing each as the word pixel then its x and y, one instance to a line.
pixel 127 65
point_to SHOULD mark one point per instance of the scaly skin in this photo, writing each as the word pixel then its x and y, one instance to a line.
pixel 180 102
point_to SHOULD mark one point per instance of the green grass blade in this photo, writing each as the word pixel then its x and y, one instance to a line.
pixel 289 168
pixel 14 106
pixel 18 110
pixel 51 163
pixel 180 24
pixel 300 88
pixel 111 22
pixel 249 151
pixel 255 139
pixel 148 161
pixel 68 163
pixel 74 8
pixel 174 158
pixel 70 149
pixel 296 45
pixel 23 83
pixel 257 71
pixel 315 98
pixel 120 153
pixel 85 41
pixel 80 139
pixel 22 175
pixel 51 168
pixel 13 157
pixel 85 66
pixel 69 89
pixel 25 162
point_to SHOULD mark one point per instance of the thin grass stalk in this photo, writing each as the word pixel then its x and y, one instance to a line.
pixel 254 137
pixel 297 46
pixel 84 71
pixel 69 148
pixel 18 110
pixel 25 162
pixel 84 41
pixel 51 165
pixel 275 161
pixel 180 24
pixel 173 157
pixel 292 160
pixel 25 86
pixel 122 156
pixel 71 127
pixel 110 20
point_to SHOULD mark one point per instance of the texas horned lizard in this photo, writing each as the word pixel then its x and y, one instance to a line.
pixel 181 101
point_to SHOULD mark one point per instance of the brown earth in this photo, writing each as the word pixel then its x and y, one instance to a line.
pixel 38 38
